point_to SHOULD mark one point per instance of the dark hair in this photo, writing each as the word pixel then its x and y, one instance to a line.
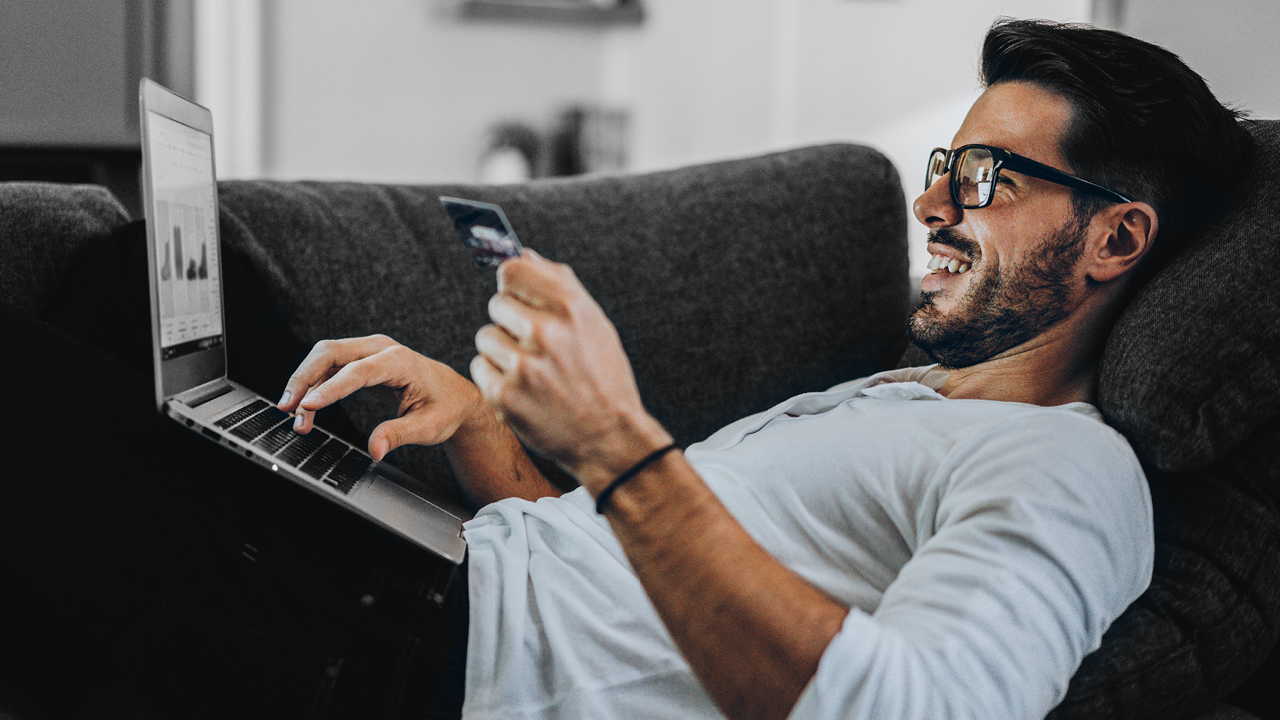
pixel 1143 122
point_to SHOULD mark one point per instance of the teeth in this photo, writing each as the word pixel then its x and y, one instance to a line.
pixel 941 262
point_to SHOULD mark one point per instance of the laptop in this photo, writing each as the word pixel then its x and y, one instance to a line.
pixel 189 352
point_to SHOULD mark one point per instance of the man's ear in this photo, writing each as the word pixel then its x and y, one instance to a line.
pixel 1128 232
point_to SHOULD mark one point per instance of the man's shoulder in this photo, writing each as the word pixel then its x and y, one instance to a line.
pixel 1047 451
pixel 1020 429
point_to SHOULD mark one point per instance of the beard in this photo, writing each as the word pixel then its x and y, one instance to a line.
pixel 1003 309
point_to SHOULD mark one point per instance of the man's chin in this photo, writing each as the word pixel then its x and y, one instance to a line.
pixel 926 327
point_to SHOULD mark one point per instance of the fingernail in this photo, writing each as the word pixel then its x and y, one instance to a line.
pixel 285 398
pixel 298 422
pixel 380 449
pixel 313 396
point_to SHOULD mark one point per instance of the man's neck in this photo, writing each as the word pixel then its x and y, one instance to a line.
pixel 1053 369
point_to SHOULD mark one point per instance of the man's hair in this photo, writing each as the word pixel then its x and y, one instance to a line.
pixel 1143 123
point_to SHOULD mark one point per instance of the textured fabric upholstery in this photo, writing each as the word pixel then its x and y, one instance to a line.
pixel 42 225
pixel 733 285
pixel 1193 366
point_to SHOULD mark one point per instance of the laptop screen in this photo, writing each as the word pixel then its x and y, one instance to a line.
pixel 185 218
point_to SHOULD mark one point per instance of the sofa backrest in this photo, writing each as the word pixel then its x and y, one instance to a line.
pixel 42 226
pixel 733 285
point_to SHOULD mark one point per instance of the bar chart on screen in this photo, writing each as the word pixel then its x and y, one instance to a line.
pixel 184 215
pixel 188 282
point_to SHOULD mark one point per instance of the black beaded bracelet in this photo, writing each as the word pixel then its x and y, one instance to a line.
pixel 631 472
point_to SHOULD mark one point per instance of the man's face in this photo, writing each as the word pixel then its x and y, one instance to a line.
pixel 1022 250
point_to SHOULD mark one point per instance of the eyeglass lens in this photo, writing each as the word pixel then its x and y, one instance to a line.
pixel 973 174
pixel 937 168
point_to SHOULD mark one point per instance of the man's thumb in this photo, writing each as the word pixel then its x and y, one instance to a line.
pixel 384 439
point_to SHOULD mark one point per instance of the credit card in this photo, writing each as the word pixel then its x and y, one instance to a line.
pixel 484 229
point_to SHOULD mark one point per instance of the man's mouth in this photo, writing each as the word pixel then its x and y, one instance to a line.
pixel 939 263
pixel 951 253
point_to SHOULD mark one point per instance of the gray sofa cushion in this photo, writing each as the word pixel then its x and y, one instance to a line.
pixel 42 225
pixel 1192 368
pixel 733 285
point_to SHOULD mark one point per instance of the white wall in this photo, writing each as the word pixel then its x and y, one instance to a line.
pixel 1234 44
pixel 402 91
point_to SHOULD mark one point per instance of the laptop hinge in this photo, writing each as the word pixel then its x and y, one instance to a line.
pixel 196 397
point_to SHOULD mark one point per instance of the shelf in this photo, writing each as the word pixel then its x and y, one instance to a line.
pixel 626 12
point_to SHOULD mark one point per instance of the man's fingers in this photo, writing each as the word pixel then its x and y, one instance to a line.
pixel 512 316
pixel 385 367
pixel 499 347
pixel 488 378
pixel 429 423
pixel 304 421
pixel 418 430
pixel 383 440
pixel 534 280
pixel 326 358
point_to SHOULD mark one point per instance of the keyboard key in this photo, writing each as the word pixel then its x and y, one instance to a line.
pixel 239 415
pixel 268 418
pixel 277 437
pixel 348 471
pixel 324 459
pixel 302 448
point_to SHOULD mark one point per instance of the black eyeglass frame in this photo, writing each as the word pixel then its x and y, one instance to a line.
pixel 1004 159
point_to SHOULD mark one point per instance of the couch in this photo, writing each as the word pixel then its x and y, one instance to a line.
pixel 734 285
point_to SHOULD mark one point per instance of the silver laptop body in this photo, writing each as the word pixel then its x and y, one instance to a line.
pixel 187 331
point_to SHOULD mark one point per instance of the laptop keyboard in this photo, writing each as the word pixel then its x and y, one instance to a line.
pixel 317 454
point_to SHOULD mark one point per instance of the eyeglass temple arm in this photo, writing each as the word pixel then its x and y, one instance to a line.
pixel 1027 166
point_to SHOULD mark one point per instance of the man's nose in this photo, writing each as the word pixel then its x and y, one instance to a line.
pixel 934 208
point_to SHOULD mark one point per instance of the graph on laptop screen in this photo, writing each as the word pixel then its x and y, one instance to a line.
pixel 187 254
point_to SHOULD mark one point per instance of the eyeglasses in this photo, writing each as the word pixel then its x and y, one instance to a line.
pixel 976 168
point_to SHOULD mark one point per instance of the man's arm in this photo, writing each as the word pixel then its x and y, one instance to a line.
pixel 437 406
pixel 752 630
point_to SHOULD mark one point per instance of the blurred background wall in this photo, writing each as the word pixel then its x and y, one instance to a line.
pixel 422 90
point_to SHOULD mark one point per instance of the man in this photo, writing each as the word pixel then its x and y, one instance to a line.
pixel 946 541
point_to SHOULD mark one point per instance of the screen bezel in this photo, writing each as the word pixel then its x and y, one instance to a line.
pixel 182 373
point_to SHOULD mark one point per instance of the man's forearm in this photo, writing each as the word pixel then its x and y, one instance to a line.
pixel 752 630
pixel 490 464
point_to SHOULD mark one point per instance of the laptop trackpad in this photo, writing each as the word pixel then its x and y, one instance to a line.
pixel 412 516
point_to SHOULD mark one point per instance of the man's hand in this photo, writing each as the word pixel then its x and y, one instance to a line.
pixel 553 365
pixel 435 401
pixel 437 406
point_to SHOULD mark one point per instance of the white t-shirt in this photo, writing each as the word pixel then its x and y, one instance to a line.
pixel 983 548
